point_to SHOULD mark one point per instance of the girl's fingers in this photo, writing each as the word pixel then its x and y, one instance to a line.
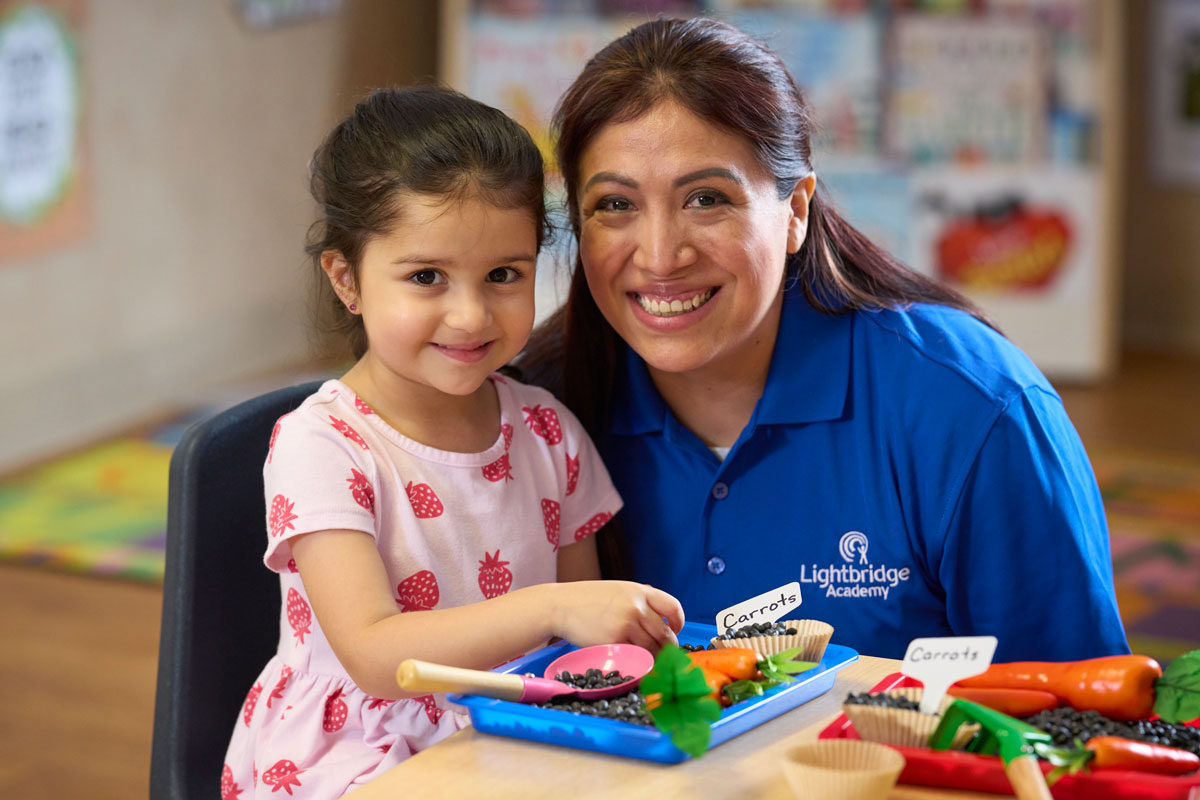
pixel 667 606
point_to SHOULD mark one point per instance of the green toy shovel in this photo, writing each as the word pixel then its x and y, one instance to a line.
pixel 1011 739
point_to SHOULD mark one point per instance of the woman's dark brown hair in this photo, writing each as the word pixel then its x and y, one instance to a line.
pixel 728 78
pixel 402 141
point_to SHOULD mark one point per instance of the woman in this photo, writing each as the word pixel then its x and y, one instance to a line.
pixel 780 400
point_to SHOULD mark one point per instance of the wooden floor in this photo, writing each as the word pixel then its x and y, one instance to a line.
pixel 78 655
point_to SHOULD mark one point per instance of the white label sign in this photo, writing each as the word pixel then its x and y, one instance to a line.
pixel 766 607
pixel 940 661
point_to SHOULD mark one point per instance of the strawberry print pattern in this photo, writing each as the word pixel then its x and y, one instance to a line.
pixel 592 525
pixel 362 407
pixel 284 775
pixel 377 702
pixel 498 470
pixel 251 702
pixel 229 789
pixel 552 518
pixel 361 490
pixel 335 712
pixel 281 518
pixel 418 592
pixel 544 423
pixel 280 685
pixel 425 502
pixel 274 436
pixel 495 578
pixel 299 614
pixel 572 473
pixel 431 708
pixel 344 428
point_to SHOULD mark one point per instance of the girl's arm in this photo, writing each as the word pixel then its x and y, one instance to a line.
pixel 349 591
pixel 578 561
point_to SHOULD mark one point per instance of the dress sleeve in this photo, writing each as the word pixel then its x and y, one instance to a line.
pixel 1026 554
pixel 315 478
pixel 590 499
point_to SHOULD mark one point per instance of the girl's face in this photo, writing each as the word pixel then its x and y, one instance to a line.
pixel 683 239
pixel 447 295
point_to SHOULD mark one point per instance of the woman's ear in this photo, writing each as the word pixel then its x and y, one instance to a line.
pixel 798 222
pixel 341 277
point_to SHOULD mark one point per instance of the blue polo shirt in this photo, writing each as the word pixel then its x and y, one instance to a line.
pixel 912 469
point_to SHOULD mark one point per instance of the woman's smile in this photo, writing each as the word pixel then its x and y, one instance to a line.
pixel 673 305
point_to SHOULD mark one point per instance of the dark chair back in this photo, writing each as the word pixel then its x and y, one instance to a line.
pixel 220 618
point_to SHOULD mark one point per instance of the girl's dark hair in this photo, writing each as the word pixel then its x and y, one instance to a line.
pixel 418 140
pixel 730 79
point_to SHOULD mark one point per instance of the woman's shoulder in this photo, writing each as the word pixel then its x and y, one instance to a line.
pixel 930 344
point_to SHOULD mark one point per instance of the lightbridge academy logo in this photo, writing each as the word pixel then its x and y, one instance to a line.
pixel 858 577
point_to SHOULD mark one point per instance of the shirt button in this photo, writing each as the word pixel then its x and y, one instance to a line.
pixel 716 565
pixel 720 490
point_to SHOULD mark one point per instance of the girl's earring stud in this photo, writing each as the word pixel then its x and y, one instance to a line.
pixel 353 307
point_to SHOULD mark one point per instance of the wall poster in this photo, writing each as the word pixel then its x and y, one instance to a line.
pixel 1175 92
pixel 42 174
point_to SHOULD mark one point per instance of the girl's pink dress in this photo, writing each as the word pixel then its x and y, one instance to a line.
pixel 452 528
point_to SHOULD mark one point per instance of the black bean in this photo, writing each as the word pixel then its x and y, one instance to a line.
pixel 1065 725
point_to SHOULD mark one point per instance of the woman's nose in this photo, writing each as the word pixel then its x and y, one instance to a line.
pixel 468 311
pixel 662 246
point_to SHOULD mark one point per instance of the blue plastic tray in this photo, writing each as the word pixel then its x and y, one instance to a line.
pixel 552 726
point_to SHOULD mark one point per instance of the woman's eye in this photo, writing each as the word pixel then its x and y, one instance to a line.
pixel 613 204
pixel 426 277
pixel 705 199
pixel 503 275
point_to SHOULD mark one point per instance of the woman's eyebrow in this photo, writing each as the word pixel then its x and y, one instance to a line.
pixel 682 180
pixel 711 172
pixel 610 177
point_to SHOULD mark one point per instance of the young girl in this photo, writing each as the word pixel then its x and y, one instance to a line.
pixel 422 481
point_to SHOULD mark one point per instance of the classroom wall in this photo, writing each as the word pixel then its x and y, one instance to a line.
pixel 1160 275
pixel 192 272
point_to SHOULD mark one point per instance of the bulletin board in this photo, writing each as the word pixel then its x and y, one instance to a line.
pixel 978 141
pixel 43 176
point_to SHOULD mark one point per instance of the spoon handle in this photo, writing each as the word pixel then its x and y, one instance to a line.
pixel 423 676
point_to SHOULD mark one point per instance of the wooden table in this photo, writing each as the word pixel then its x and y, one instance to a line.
pixel 478 765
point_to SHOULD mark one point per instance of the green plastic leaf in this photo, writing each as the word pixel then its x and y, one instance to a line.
pixel 1177 692
pixel 674 677
pixel 743 690
pixel 1066 760
pixel 781 667
pixel 692 737
pixel 684 711
pixel 796 667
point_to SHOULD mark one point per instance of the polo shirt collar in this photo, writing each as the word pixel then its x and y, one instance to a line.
pixel 808 380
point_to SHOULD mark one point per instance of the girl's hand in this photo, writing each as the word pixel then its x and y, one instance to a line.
pixel 603 612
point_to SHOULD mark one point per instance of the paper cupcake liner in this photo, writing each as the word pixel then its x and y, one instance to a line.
pixel 903 727
pixel 811 637
pixel 842 769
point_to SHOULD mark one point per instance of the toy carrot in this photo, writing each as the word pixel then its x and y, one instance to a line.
pixel 1121 687
pixel 716 681
pixel 739 663
pixel 1014 702
pixel 1114 752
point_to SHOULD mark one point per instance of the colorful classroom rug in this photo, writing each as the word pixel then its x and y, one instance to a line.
pixel 103 512
pixel 1153 506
